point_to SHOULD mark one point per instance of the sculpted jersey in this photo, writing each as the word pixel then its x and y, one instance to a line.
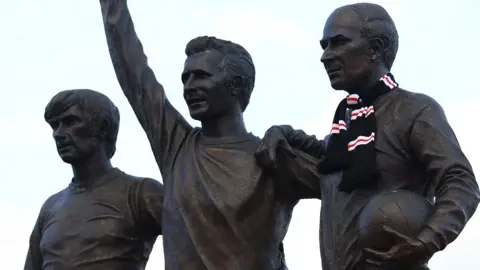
pixel 221 211
pixel 111 224
pixel 416 150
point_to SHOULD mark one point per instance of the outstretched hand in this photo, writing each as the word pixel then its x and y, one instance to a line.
pixel 266 153
pixel 407 251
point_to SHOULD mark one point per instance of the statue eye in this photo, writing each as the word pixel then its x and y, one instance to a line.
pixel 201 75
pixel 339 41
pixel 70 120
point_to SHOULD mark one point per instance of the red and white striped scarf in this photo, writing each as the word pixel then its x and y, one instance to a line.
pixel 352 148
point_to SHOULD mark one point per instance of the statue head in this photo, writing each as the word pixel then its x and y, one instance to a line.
pixel 218 78
pixel 84 123
pixel 359 41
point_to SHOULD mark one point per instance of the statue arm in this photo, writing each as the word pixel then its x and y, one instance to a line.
pixel 34 259
pixel 298 139
pixel 165 127
pixel 150 207
pixel 300 173
pixel 448 170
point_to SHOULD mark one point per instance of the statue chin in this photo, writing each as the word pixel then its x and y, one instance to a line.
pixel 337 83
pixel 199 113
pixel 69 159
pixel 339 86
pixel 72 158
pixel 199 116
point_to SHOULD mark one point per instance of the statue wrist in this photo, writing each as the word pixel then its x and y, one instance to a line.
pixel 430 241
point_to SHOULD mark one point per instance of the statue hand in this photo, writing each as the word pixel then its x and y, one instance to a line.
pixel 407 251
pixel 266 153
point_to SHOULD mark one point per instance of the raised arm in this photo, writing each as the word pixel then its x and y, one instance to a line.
pixel 34 259
pixel 456 190
pixel 166 129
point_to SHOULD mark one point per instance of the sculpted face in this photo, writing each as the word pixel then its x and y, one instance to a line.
pixel 72 136
pixel 346 55
pixel 205 86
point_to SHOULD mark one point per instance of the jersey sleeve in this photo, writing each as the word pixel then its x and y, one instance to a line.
pixel 34 260
pixel 149 210
pixel 457 195
pixel 298 174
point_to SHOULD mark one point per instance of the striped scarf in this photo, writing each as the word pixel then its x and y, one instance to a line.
pixel 352 149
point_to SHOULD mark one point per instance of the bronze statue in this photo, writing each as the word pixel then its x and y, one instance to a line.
pixel 221 210
pixel 105 218
pixel 383 138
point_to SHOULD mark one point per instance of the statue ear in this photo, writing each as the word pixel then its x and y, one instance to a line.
pixel 377 47
pixel 236 85
pixel 103 129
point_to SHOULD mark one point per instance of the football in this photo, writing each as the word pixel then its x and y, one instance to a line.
pixel 401 210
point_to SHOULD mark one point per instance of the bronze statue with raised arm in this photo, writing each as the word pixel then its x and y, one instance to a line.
pixel 221 210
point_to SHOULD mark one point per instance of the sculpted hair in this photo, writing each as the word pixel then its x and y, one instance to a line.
pixel 377 23
pixel 237 63
pixel 99 111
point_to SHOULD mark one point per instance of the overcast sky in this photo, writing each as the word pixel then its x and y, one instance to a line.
pixel 52 45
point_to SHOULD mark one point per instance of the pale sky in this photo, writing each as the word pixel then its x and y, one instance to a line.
pixel 52 45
